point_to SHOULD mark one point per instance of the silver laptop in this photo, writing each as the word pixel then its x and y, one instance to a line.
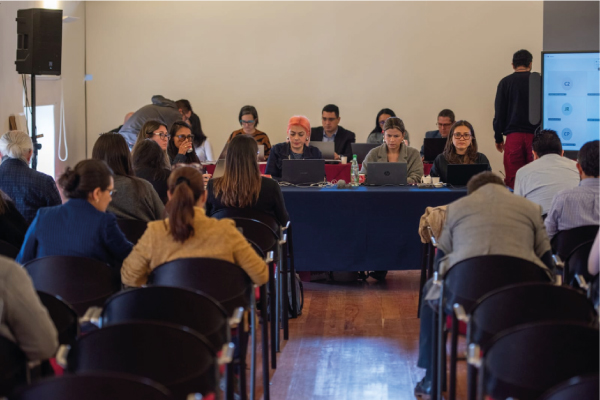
pixel 362 149
pixel 386 174
pixel 219 169
pixel 327 150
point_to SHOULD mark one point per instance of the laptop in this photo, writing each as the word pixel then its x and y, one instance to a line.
pixel 219 169
pixel 390 173
pixel 362 149
pixel 433 147
pixel 459 174
pixel 224 152
pixel 303 172
pixel 327 150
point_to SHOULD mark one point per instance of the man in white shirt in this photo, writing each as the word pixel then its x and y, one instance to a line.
pixel 548 174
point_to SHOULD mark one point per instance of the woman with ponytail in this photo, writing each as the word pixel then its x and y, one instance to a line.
pixel 188 232
pixel 80 227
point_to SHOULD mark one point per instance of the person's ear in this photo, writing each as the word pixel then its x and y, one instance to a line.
pixel 29 156
pixel 535 156
pixel 579 169
pixel 95 195
pixel 562 153
pixel 169 195
pixel 202 198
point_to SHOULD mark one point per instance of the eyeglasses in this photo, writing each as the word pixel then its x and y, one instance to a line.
pixel 163 135
pixel 249 122
pixel 328 119
pixel 111 191
pixel 443 125
pixel 382 122
pixel 184 137
pixel 464 136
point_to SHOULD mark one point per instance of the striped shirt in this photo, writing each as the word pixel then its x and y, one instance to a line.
pixel 574 207
pixel 260 137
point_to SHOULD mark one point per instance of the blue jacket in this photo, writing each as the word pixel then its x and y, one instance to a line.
pixel 28 189
pixel 75 228
pixel 282 151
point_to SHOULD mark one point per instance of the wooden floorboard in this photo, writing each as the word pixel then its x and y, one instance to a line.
pixel 355 340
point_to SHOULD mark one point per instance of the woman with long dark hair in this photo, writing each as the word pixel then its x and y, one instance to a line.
pixel 181 144
pixel 201 142
pixel 461 148
pixel 376 135
pixel 80 227
pixel 149 163
pixel 188 232
pixel 13 225
pixel 134 198
pixel 241 185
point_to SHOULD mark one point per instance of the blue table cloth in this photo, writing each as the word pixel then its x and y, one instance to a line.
pixel 360 229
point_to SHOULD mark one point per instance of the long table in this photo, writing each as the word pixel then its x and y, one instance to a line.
pixel 360 229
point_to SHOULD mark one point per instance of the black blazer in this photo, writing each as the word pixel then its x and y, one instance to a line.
pixel 342 141
pixel 13 226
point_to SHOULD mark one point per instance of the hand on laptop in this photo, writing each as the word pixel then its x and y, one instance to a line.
pixel 336 156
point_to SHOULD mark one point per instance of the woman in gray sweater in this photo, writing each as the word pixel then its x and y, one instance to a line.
pixel 133 198
pixel 394 149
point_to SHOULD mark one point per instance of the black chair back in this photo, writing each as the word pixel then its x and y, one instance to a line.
pixel 526 361
pixel 174 356
pixel 259 227
pixel 565 241
pixel 594 292
pixel 82 282
pixel 525 303
pixel 178 306
pixel 132 229
pixel 97 386
pixel 225 282
pixel 13 366
pixel 64 317
pixel 8 250
pixel 577 262
pixel 581 387
pixel 472 278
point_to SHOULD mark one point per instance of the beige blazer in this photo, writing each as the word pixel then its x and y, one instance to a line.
pixel 212 238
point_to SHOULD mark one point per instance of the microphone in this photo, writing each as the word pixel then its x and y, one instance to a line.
pixel 341 184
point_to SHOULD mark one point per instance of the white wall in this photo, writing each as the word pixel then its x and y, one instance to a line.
pixel 290 58
pixel 48 91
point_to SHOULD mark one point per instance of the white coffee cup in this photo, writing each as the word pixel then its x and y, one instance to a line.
pixel 435 179
pixel 344 159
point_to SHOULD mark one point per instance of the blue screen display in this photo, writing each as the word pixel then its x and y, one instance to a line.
pixel 571 97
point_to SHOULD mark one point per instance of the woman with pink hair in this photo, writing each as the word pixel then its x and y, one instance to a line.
pixel 295 148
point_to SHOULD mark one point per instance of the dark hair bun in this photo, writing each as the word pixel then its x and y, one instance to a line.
pixel 69 181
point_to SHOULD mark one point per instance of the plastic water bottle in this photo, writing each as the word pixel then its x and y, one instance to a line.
pixel 354 178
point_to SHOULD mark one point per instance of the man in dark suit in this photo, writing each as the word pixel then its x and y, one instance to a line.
pixel 331 131
pixel 444 123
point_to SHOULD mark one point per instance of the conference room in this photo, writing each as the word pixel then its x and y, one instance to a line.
pixel 337 306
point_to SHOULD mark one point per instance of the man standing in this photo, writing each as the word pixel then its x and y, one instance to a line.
pixel 512 117
pixel 548 174
pixel 578 206
pixel 444 123
pixel 331 131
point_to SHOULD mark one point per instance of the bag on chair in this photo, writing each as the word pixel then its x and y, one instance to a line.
pixel 295 280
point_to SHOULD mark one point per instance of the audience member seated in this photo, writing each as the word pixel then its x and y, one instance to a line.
pixel 201 143
pixel 489 221
pixel 25 321
pixel 188 232
pixel 241 185
pixel 161 109
pixel 29 189
pixel 444 122
pixel 149 163
pixel 156 131
pixel 578 206
pixel 331 131
pixel 394 149
pixel 376 136
pixel 295 148
pixel 248 118
pixel 12 224
pixel 81 227
pixel 461 148
pixel 134 198
pixel 181 145
pixel 548 174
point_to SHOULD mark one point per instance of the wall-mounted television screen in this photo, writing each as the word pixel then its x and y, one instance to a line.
pixel 571 96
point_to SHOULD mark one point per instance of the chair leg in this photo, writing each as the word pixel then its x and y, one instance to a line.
pixel 273 315
pixel 242 364
pixel 423 276
pixel 292 271
pixel 471 382
pixel 253 348
pixel 441 351
pixel 278 306
pixel 453 349
pixel 430 259
pixel 434 358
pixel 481 392
pixel 284 292
pixel 265 341
pixel 229 374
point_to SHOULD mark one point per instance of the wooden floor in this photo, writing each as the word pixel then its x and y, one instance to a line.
pixel 354 341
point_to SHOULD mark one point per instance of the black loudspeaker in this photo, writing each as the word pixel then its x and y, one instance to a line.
pixel 39 43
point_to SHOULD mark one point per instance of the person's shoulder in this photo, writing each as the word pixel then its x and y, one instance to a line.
pixel 431 134
pixel 412 152
pixel 279 146
pixel 316 129
pixel 482 158
pixel 346 131
pixel 269 184
pixel 236 132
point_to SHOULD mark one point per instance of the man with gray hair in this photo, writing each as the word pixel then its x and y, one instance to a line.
pixel 29 189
